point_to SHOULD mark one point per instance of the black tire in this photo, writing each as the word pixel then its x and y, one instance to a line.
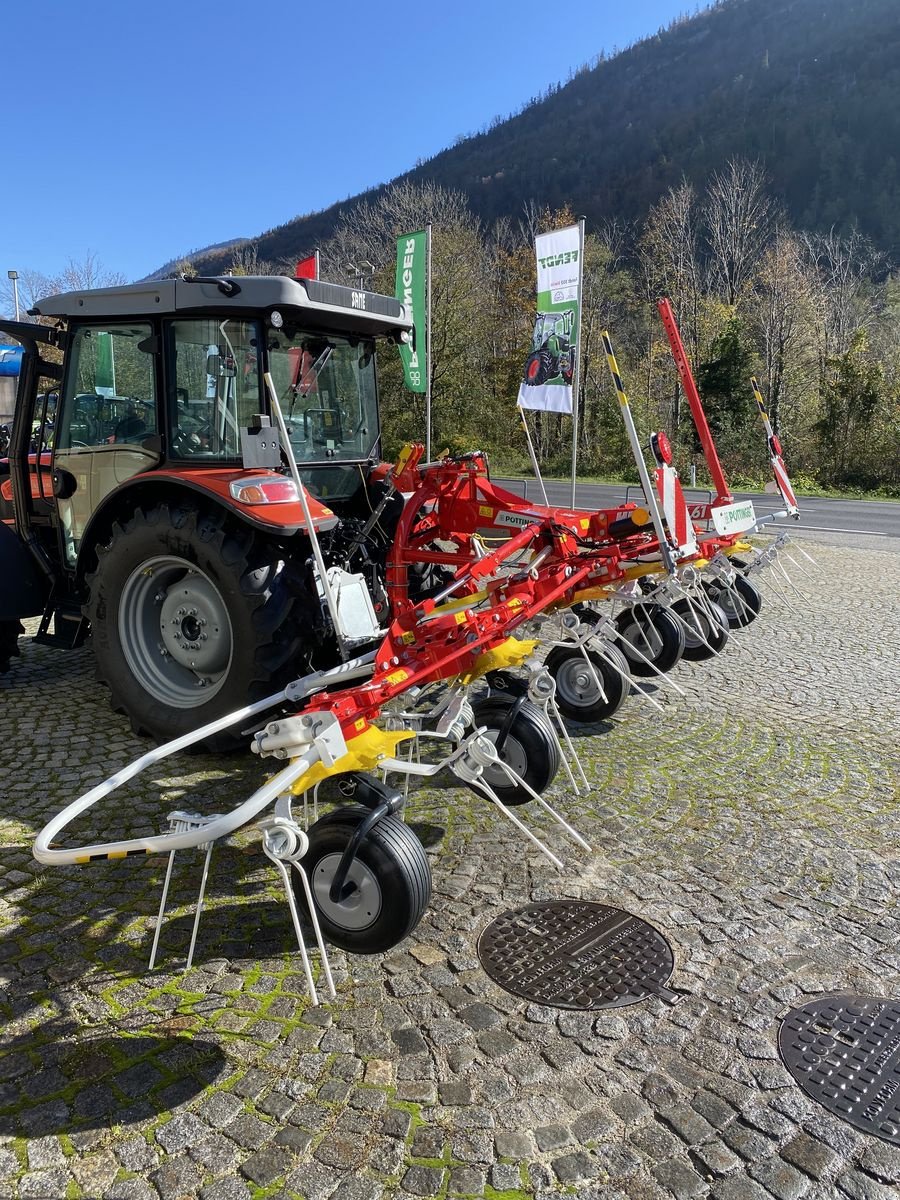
pixel 9 643
pixel 537 368
pixel 164 579
pixel 655 633
pixel 702 628
pixel 391 873
pixel 740 601
pixel 530 748
pixel 577 693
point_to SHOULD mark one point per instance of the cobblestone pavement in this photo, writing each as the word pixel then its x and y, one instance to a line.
pixel 753 823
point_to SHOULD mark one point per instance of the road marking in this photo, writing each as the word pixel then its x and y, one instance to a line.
pixel 826 529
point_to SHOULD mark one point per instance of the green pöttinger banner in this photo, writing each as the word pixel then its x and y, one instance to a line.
pixel 412 270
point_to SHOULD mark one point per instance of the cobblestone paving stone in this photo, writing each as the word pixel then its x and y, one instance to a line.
pixel 753 823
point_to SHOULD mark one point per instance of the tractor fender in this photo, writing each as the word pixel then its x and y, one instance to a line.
pixel 25 588
pixel 164 487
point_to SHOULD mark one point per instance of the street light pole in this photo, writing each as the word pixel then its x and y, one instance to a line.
pixel 14 276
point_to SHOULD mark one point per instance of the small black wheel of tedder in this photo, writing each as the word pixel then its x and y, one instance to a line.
pixel 589 688
pixel 529 746
pixel 740 600
pixel 650 631
pixel 705 634
pixel 390 879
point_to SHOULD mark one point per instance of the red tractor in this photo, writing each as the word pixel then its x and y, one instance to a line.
pixel 160 518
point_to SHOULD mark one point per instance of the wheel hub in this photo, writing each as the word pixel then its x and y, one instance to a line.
pixel 175 631
pixel 576 682
pixel 361 908
pixel 191 619
pixel 513 755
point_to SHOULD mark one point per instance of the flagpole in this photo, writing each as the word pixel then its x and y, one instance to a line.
pixel 534 461
pixel 428 343
pixel 576 378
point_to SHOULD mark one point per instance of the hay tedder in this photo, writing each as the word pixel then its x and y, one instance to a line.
pixel 251 538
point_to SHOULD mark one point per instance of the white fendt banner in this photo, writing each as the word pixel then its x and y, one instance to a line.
pixel 550 366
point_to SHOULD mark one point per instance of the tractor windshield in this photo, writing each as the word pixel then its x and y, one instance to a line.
pixel 326 388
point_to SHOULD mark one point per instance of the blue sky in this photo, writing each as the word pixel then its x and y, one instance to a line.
pixel 140 132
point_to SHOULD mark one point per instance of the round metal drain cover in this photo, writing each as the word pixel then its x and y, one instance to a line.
pixel 577 954
pixel 844 1051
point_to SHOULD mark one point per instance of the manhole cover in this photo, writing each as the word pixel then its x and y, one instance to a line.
pixel 844 1051
pixel 577 954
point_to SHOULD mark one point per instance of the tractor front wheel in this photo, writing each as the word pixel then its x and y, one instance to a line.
pixel 9 643
pixel 191 619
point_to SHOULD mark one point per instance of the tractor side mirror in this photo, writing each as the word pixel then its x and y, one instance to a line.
pixel 220 367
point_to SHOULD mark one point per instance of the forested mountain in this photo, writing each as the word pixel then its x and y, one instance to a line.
pixel 808 88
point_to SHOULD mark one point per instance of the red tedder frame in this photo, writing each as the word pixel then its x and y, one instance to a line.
pixel 723 493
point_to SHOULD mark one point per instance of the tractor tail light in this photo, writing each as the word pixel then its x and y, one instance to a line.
pixel 267 489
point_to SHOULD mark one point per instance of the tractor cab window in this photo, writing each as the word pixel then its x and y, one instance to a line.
pixel 216 389
pixel 326 389
pixel 107 428
pixel 110 394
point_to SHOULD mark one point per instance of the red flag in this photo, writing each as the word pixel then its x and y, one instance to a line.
pixel 308 268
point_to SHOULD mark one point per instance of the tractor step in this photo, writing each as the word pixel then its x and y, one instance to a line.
pixel 70 628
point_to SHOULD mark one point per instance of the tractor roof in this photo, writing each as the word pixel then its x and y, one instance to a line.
pixel 311 302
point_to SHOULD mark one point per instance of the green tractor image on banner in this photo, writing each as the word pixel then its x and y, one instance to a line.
pixel 552 353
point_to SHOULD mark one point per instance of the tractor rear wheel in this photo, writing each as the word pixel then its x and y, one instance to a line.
pixel 191 618
pixel 9 643
pixel 538 368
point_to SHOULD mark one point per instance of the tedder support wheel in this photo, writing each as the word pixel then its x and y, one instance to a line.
pixel 390 879
pixel 740 601
pixel 9 643
pixel 588 692
pixel 529 747
pixel 702 628
pixel 655 634
pixel 191 618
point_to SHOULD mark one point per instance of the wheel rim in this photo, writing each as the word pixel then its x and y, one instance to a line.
pixel 727 601
pixel 513 755
pixel 697 628
pixel 644 637
pixel 175 631
pixel 361 907
pixel 576 683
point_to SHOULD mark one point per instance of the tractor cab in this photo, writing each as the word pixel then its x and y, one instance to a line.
pixel 165 420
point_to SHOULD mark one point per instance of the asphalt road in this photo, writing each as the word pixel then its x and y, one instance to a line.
pixel 833 521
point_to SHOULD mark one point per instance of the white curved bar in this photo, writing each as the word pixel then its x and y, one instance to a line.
pixel 164 842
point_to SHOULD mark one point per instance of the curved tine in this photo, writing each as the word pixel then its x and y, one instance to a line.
pixel 553 707
pixel 162 910
pixel 630 679
pixel 199 909
pixel 314 920
pixel 486 790
pixel 663 677
pixel 514 777
pixel 295 917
